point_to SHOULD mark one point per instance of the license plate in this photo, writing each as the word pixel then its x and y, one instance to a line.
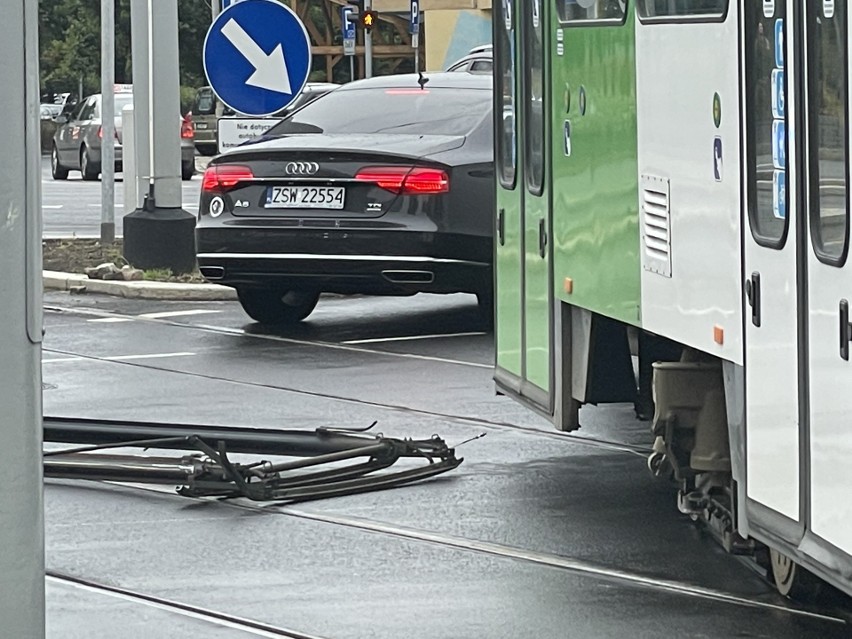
pixel 201 125
pixel 305 197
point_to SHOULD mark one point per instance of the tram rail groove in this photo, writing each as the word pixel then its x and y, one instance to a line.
pixel 640 451
pixel 504 551
pixel 219 618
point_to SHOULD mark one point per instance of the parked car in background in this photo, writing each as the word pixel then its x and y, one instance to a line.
pixel 208 109
pixel 77 142
pixel 49 111
pixel 478 60
pixel 383 186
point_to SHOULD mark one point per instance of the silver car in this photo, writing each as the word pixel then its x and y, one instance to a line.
pixel 77 142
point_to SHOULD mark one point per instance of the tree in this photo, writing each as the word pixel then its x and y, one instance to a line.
pixel 70 44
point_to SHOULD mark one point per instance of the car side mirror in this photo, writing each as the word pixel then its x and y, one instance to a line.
pixel 62 118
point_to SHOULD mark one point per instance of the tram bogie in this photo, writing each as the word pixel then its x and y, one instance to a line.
pixel 662 201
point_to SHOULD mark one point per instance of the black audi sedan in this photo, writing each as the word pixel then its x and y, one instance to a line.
pixel 382 187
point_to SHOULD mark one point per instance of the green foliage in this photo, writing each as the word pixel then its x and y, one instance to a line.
pixel 70 45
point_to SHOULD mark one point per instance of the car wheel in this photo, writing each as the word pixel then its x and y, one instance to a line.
pixel 187 170
pixel 58 171
pixel 269 306
pixel 89 171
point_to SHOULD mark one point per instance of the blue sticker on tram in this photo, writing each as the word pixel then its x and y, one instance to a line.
pixel 718 168
pixel 778 94
pixel 779 194
pixel 779 43
pixel 779 144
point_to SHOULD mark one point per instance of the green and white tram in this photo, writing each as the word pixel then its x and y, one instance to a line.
pixel 673 183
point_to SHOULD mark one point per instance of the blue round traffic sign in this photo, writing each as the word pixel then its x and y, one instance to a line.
pixel 257 56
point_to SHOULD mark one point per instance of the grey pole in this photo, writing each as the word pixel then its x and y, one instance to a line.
pixel 139 41
pixel 21 504
pixel 368 45
pixel 108 121
pixel 160 234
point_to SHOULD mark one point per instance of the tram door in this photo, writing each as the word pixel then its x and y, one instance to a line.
pixel 829 278
pixel 798 279
pixel 524 294
pixel 773 452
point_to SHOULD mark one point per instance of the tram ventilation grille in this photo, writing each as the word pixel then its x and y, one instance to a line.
pixel 656 225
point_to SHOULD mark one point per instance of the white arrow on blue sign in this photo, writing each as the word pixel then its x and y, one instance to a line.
pixel 257 56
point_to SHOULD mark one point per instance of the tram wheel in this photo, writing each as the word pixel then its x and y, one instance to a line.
pixel 791 579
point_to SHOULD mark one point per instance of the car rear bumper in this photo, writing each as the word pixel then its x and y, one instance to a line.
pixel 348 264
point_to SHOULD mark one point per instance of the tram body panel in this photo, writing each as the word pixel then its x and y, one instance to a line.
pixel 771 215
pixel 830 281
pixel 595 220
pixel 689 183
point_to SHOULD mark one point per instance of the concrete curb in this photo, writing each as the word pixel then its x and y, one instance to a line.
pixel 144 290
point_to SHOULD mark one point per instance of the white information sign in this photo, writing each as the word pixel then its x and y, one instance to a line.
pixel 234 131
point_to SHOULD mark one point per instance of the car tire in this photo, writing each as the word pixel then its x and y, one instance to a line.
pixel 57 171
pixel 276 307
pixel 87 169
pixel 187 170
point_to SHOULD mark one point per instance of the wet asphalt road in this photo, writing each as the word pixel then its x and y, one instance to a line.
pixel 536 534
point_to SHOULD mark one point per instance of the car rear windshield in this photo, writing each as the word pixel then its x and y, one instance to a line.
pixel 438 111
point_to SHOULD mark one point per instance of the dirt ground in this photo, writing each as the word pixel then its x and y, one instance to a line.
pixel 74 255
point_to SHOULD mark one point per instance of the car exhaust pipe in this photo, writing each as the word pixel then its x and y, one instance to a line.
pixel 212 272
pixel 409 277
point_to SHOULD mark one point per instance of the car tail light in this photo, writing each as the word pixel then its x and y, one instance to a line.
pixel 187 128
pixel 225 176
pixel 101 133
pixel 406 180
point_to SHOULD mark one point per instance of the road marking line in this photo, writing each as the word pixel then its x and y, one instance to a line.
pixel 51 206
pixel 116 358
pixel 224 330
pixel 110 320
pixel 339 347
pixel 411 338
pixel 165 314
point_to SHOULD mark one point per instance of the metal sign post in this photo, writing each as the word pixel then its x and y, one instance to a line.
pixel 107 121
pixel 21 503
pixel 414 30
pixel 368 44
pixel 160 234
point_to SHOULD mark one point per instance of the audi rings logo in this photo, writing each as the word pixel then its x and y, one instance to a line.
pixel 301 168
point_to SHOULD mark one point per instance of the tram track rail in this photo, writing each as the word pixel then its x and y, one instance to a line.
pixel 488 424
pixel 467 420
pixel 542 559
pixel 214 617
pixel 415 535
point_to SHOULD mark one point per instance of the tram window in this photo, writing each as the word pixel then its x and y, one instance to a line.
pixel 828 95
pixel 594 11
pixel 534 69
pixel 671 10
pixel 504 89
pixel 766 168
